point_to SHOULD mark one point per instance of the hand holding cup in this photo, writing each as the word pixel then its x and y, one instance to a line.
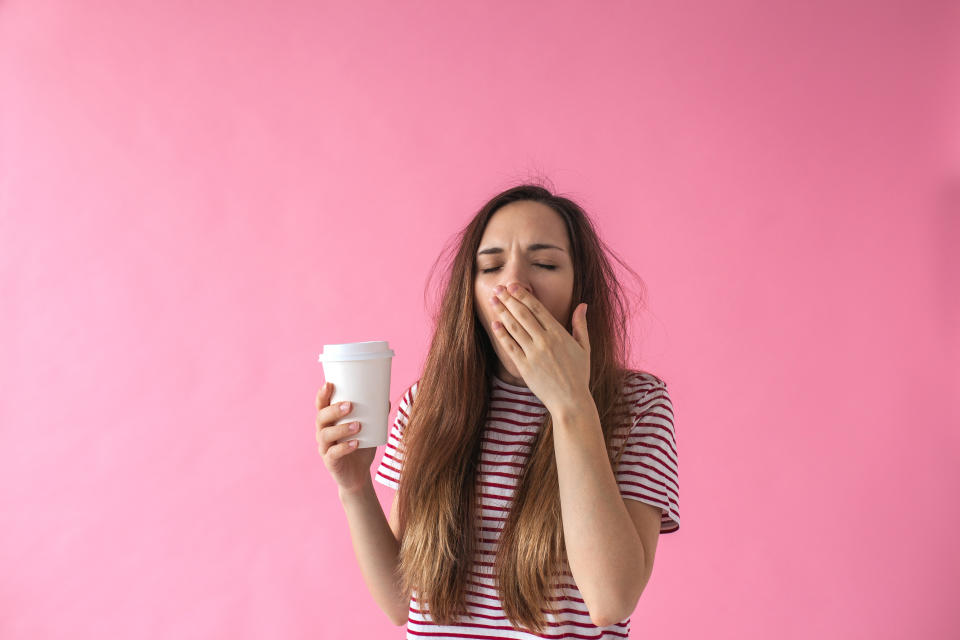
pixel 349 466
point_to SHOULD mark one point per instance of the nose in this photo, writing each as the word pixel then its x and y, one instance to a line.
pixel 516 274
pixel 528 288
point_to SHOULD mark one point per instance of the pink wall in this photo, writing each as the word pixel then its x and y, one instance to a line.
pixel 194 200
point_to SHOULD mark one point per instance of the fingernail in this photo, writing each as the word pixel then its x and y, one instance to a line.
pixel 354 426
pixel 344 407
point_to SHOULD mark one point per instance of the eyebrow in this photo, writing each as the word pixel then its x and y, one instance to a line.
pixel 539 246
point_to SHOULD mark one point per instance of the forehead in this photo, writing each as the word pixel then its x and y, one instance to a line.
pixel 525 222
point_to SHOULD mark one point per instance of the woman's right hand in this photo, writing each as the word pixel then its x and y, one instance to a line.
pixel 349 466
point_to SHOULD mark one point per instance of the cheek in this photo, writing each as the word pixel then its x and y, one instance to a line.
pixel 482 295
pixel 556 305
pixel 481 301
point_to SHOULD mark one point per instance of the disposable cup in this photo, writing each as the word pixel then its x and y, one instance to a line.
pixel 360 373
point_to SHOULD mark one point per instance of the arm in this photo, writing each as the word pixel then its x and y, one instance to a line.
pixel 377 550
pixel 604 550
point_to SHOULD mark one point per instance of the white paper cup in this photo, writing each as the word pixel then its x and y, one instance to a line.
pixel 360 373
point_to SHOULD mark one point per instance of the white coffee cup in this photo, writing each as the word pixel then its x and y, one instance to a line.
pixel 360 373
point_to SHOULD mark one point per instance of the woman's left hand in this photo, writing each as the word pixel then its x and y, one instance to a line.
pixel 553 364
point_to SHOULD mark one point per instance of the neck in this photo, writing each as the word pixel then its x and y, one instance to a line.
pixel 509 378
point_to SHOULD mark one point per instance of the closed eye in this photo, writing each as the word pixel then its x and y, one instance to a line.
pixel 545 266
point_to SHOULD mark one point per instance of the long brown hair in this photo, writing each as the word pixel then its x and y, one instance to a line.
pixel 437 498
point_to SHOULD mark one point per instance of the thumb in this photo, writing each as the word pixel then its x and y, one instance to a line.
pixel 580 326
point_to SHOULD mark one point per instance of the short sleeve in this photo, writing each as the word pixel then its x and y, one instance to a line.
pixel 388 472
pixel 648 468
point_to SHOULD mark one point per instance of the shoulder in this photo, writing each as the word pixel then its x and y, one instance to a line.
pixel 645 396
pixel 410 392
pixel 639 385
pixel 404 408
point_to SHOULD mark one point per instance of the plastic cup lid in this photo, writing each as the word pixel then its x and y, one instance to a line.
pixel 356 351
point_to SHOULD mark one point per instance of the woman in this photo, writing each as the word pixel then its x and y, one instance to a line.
pixel 537 470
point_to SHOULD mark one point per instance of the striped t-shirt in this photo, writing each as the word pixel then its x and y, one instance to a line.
pixel 647 472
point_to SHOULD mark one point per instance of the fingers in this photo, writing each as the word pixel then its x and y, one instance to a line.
pixel 338 451
pixel 327 433
pixel 327 436
pixel 512 322
pixel 331 413
pixel 529 311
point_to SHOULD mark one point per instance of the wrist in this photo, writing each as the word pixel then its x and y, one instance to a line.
pixel 353 493
pixel 575 409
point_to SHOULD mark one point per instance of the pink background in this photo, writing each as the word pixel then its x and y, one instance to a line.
pixel 195 197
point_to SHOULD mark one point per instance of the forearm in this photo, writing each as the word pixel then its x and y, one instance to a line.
pixel 604 551
pixel 377 551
